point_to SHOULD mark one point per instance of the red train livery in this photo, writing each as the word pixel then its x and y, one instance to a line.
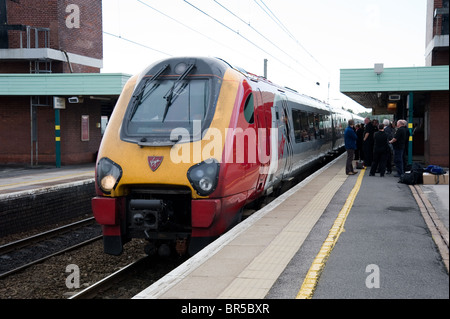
pixel 194 140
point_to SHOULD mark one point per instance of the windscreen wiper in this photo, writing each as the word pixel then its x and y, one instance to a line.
pixel 138 97
pixel 169 95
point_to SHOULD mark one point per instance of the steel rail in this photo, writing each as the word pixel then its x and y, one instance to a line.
pixel 92 291
pixel 44 235
pixel 84 243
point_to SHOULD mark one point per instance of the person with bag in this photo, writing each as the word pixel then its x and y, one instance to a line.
pixel 350 145
pixel 380 151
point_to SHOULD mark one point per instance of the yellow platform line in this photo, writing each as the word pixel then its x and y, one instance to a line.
pixel 312 277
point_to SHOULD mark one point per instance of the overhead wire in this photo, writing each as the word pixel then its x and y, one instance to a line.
pixel 225 26
pixel 167 16
pixel 136 43
pixel 278 22
pixel 263 36
pixel 242 36
pixel 185 25
pixel 275 19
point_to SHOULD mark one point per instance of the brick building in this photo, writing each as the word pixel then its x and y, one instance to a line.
pixel 437 109
pixel 418 94
pixel 58 36
pixel 52 49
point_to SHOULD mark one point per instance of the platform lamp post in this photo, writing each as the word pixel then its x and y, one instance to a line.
pixel 58 104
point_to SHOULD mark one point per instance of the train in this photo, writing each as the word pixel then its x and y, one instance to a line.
pixel 194 140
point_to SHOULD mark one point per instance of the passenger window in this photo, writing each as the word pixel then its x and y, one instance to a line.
pixel 317 126
pixel 249 109
pixel 297 125
pixel 311 130
pixel 305 125
pixel 321 126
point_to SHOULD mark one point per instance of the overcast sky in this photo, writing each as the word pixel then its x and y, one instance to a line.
pixel 305 42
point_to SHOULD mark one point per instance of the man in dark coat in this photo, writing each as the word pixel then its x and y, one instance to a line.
pixel 398 142
pixel 350 145
pixel 368 142
pixel 380 151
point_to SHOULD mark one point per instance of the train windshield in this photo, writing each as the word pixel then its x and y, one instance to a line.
pixel 174 96
pixel 166 105
pixel 166 101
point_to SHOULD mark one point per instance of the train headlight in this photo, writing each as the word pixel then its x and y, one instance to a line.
pixel 108 174
pixel 203 176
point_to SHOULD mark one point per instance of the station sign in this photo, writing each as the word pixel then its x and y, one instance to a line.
pixel 59 103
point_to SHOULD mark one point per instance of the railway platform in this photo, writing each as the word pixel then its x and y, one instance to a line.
pixel 43 195
pixel 332 236
pixel 17 179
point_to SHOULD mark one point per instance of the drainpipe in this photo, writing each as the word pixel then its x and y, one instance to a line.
pixel 68 61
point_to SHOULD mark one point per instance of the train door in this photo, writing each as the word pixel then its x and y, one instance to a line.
pixel 333 131
pixel 263 122
pixel 289 146
pixel 273 167
pixel 285 149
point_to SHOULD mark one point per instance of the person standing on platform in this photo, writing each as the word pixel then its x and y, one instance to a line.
pixel 389 130
pixel 380 151
pixel 359 133
pixel 368 142
pixel 398 143
pixel 350 145
pixel 375 124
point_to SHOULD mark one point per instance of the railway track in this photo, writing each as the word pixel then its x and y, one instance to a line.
pixel 99 287
pixel 26 252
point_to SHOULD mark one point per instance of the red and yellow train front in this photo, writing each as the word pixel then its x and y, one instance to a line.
pixel 162 172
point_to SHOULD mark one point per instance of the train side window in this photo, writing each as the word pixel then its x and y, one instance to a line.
pixel 249 109
pixel 321 126
pixel 317 126
pixel 311 130
pixel 297 126
pixel 327 125
pixel 305 126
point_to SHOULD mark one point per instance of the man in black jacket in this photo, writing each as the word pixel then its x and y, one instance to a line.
pixel 398 142
pixel 368 142
pixel 380 151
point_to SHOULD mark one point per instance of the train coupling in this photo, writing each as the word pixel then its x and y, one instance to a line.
pixel 146 213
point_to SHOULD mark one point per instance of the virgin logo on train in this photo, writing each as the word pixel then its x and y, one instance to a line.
pixel 154 162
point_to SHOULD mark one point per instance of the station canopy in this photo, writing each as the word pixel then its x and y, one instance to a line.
pixel 374 88
pixel 62 84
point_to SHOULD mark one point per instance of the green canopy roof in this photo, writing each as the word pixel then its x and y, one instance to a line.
pixel 63 84
pixel 371 87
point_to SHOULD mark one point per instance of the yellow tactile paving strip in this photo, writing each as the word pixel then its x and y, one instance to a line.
pixel 312 277
pixel 249 265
